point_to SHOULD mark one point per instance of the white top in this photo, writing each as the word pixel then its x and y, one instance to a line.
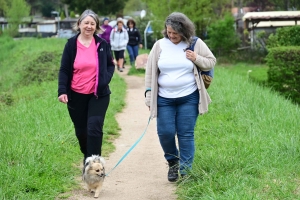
pixel 176 78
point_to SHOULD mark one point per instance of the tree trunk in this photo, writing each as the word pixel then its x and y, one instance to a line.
pixel 66 10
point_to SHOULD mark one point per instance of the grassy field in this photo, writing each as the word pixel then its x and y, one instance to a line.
pixel 247 146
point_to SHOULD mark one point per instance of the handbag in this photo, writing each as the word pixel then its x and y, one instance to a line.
pixel 207 76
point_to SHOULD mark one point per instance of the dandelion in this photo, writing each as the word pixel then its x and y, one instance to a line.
pixel 248 73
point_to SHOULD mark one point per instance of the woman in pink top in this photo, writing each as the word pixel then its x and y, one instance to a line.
pixel 85 73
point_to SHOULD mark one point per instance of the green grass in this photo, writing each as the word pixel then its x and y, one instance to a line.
pixel 257 73
pixel 247 146
pixel 39 152
pixel 14 54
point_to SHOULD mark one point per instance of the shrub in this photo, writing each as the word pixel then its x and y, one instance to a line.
pixel 6 98
pixel 287 36
pixel 222 36
pixel 72 14
pixel 43 68
pixel 284 71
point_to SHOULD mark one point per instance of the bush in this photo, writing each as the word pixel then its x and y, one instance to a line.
pixel 6 98
pixel 284 71
pixel 287 36
pixel 72 14
pixel 43 68
pixel 222 36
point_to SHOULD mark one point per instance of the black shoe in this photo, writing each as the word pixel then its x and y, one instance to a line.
pixel 173 170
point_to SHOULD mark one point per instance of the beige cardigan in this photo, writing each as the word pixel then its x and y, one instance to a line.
pixel 205 61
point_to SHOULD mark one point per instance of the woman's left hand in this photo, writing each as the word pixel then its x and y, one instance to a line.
pixel 141 46
pixel 191 55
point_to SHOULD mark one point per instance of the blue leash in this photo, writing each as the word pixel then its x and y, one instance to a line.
pixel 132 147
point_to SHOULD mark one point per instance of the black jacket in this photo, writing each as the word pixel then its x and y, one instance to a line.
pixel 105 70
pixel 134 37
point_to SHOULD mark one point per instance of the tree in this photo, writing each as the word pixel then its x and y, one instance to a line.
pixel 15 14
pixel 222 35
pixel 62 15
pixel 134 5
pixel 72 14
pixel 103 7
pixel 269 5
pixel 44 7
pixel 201 12
pixel 286 4
pixel 3 7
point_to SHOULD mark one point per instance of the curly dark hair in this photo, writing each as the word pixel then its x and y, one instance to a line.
pixel 182 25
pixel 130 21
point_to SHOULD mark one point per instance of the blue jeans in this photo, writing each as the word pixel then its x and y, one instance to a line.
pixel 178 116
pixel 133 52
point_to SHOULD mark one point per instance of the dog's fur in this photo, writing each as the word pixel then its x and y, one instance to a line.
pixel 94 173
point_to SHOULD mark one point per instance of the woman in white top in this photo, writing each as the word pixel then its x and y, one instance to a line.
pixel 118 41
pixel 174 90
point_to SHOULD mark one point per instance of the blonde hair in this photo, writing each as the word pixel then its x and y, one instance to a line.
pixel 91 14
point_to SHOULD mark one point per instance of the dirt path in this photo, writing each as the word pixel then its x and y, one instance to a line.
pixel 142 175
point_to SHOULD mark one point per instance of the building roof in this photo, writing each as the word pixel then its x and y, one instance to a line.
pixel 274 24
pixel 272 16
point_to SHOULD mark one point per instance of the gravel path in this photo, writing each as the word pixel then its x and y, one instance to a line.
pixel 142 175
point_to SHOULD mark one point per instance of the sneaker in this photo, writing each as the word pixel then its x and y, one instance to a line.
pixel 120 69
pixel 173 170
pixel 124 64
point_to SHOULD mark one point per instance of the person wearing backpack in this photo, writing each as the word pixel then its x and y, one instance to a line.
pixel 118 41
pixel 174 91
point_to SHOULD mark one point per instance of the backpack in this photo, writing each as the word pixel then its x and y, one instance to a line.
pixel 207 76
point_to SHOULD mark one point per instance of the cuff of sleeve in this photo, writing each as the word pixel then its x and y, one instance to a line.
pixel 147 90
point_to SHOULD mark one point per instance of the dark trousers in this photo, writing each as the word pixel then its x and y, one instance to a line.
pixel 88 113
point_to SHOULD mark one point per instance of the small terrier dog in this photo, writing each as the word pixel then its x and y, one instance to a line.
pixel 94 173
